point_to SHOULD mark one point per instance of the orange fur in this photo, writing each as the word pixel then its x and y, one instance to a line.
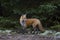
pixel 33 21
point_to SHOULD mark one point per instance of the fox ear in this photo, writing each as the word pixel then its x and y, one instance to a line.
pixel 25 14
pixel 22 14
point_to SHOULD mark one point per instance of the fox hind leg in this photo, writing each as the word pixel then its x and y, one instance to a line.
pixel 34 28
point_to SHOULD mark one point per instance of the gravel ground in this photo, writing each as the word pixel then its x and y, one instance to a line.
pixel 7 35
pixel 26 37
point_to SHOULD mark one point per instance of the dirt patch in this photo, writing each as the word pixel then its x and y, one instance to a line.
pixel 25 37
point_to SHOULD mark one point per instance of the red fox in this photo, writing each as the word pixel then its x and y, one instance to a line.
pixel 32 21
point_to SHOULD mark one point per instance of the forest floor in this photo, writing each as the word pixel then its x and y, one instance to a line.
pixel 17 36
pixel 26 37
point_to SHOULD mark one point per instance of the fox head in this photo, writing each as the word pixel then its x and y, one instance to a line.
pixel 23 17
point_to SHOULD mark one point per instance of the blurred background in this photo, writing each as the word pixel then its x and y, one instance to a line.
pixel 48 11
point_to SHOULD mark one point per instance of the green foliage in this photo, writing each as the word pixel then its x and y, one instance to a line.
pixel 6 23
pixel 56 27
pixel 47 11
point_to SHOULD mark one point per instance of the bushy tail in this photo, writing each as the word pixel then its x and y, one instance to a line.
pixel 41 27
